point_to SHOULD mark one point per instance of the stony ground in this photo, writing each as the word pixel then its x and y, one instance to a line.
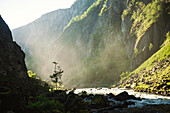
pixel 146 109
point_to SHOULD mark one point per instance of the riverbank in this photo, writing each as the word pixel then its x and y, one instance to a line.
pixel 144 102
pixel 94 100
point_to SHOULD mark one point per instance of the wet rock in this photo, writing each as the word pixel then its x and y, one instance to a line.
pixel 154 69
pixel 160 86
pixel 122 96
pixel 83 94
pixel 125 96
pixel 91 95
pixel 74 103
pixel 110 95
pixel 72 93
pixel 168 94
pixel 127 86
pixel 100 101
pixel 129 103
pixel 133 85
pixel 120 105
pixel 166 87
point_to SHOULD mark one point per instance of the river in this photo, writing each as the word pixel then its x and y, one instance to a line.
pixel 147 99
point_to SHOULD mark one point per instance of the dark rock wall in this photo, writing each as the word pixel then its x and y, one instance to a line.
pixel 11 56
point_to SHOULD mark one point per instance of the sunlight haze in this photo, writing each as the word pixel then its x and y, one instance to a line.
pixel 17 13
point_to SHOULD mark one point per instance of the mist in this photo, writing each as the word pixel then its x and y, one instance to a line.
pixel 91 51
pixel 82 67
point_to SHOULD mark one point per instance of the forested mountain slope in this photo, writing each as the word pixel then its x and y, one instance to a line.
pixel 95 41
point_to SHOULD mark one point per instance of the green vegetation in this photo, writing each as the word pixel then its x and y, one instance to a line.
pixel 167 39
pixel 84 15
pixel 43 104
pixel 153 75
pixel 144 16
pixel 125 13
pixel 101 69
pixel 150 46
pixel 162 54
pixel 15 92
pixel 128 11
pixel 57 75
pixel 123 76
pixel 31 74
pixel 104 8
pixel 137 52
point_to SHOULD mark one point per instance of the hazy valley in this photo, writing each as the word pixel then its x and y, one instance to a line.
pixel 97 56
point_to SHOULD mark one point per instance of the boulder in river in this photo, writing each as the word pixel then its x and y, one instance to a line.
pixel 125 96
pixel 100 101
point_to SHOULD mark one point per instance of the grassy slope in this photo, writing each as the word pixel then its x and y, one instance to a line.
pixel 153 75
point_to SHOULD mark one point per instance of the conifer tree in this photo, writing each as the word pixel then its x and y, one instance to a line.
pixel 56 77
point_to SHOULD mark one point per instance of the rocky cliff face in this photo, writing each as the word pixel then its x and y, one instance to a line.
pixel 38 39
pixel 153 75
pixel 150 23
pixel 98 40
pixel 12 62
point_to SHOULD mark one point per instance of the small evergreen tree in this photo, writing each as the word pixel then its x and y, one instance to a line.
pixel 56 77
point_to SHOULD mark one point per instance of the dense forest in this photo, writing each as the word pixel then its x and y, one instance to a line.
pixel 94 43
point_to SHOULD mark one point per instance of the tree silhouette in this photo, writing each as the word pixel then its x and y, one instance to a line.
pixel 56 77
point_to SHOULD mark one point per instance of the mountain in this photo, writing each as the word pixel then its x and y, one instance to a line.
pixel 37 38
pixel 15 85
pixel 12 62
pixel 153 76
pixel 95 41
pixel 13 71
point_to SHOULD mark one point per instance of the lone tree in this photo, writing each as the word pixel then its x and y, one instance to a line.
pixel 56 77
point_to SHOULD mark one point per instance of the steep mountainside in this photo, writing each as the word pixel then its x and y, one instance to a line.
pixel 98 43
pixel 12 62
pixel 37 38
pixel 15 85
pixel 153 75
pixel 13 72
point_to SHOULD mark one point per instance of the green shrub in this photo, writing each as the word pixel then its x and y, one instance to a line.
pixel 136 52
pixel 103 8
pixel 84 15
pixel 150 46
pixel 125 13
pixel 31 74
pixel 123 76
pixel 43 104
pixel 144 16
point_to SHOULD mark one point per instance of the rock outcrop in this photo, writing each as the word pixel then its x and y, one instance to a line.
pixel 12 62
